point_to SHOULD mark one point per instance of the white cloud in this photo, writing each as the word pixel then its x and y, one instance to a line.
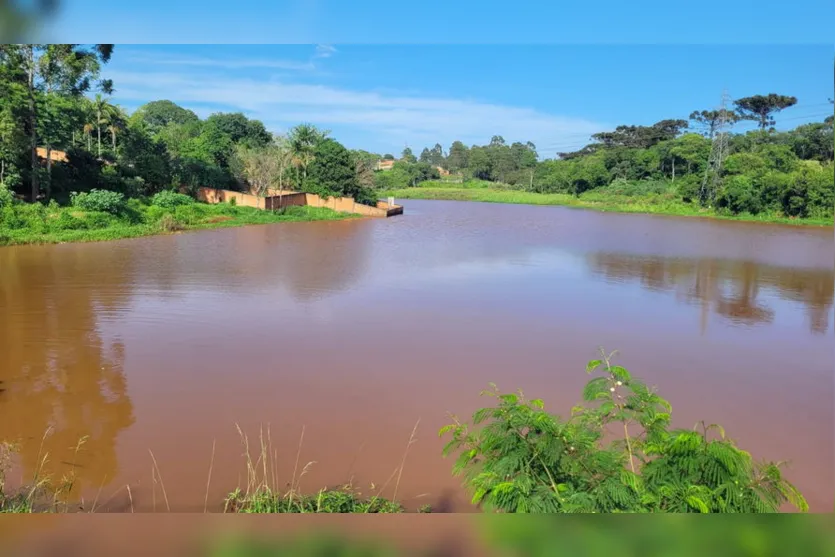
pixel 391 119
pixel 324 51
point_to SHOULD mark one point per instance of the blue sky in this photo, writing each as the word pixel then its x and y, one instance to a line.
pixel 382 97
pixel 445 21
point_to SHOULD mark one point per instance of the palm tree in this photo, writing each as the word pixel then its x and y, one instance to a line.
pixel 103 109
pixel 88 131
pixel 303 139
pixel 115 120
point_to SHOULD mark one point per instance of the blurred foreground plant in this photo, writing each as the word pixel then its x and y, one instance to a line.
pixel 523 459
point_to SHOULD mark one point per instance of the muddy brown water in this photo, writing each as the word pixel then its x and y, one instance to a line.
pixel 355 331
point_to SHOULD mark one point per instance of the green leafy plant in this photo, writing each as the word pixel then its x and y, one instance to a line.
pixel 99 200
pixel 169 199
pixel 615 453
pixel 6 195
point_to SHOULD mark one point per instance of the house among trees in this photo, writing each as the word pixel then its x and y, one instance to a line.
pixel 385 164
pixel 55 155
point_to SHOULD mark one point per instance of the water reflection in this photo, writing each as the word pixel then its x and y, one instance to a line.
pixel 60 371
pixel 310 260
pixel 730 289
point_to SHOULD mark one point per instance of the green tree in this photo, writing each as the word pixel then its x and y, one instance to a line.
pixel 104 112
pixel 12 142
pixel 304 139
pixel 480 164
pixel 68 69
pixel 690 152
pixel 709 119
pixel 333 171
pixel 761 108
pixel 458 156
pixel 812 141
pixel 425 156
pixel 408 156
pixel 146 157
pixel 240 129
pixel 158 114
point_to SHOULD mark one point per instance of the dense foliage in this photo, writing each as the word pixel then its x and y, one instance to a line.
pixel 784 174
pixel 616 453
pixel 61 137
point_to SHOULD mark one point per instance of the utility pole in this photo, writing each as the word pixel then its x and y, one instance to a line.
pixel 718 152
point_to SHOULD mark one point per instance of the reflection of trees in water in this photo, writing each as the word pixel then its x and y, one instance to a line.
pixel 310 259
pixel 326 258
pixel 58 370
pixel 706 282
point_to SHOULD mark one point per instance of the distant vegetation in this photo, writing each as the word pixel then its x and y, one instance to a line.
pixel 63 141
pixel 767 174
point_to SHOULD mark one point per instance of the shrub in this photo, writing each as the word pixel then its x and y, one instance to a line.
pixel 689 187
pixel 9 218
pixel 169 199
pixel 99 200
pixel 66 221
pixel 169 223
pixel 366 196
pixel 810 191
pixel 636 188
pixel 6 195
pixel 97 220
pixel 738 196
pixel 523 459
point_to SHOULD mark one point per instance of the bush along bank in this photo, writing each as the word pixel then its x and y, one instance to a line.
pixel 620 197
pixel 106 215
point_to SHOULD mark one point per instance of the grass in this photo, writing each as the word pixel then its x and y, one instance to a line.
pixel 652 203
pixel 260 494
pixel 40 224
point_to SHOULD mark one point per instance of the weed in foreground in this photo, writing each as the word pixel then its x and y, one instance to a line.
pixel 516 457
pixel 261 493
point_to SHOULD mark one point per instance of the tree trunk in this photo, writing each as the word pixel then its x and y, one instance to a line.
pixel 113 135
pixel 33 119
pixel 48 171
pixel 674 169
pixel 98 131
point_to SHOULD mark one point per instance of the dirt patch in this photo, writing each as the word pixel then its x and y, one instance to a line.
pixel 214 220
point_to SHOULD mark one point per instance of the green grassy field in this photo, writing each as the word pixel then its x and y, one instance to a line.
pixel 663 204
pixel 40 224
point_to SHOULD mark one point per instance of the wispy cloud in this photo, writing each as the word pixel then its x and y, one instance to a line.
pixel 389 119
pixel 324 51
pixel 164 59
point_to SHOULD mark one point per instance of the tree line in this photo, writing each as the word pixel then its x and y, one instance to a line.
pixel 53 98
pixel 790 172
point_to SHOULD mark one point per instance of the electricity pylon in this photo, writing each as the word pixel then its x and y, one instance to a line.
pixel 718 152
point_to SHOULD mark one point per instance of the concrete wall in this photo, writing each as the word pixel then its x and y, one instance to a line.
pixel 289 199
pixel 286 200
pixel 211 195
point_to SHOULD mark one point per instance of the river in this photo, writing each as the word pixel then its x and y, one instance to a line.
pixel 158 348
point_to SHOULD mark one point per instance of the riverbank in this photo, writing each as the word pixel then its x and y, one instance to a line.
pixel 558 466
pixel 660 204
pixel 52 224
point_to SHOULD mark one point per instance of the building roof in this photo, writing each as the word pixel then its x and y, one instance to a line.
pixel 55 155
